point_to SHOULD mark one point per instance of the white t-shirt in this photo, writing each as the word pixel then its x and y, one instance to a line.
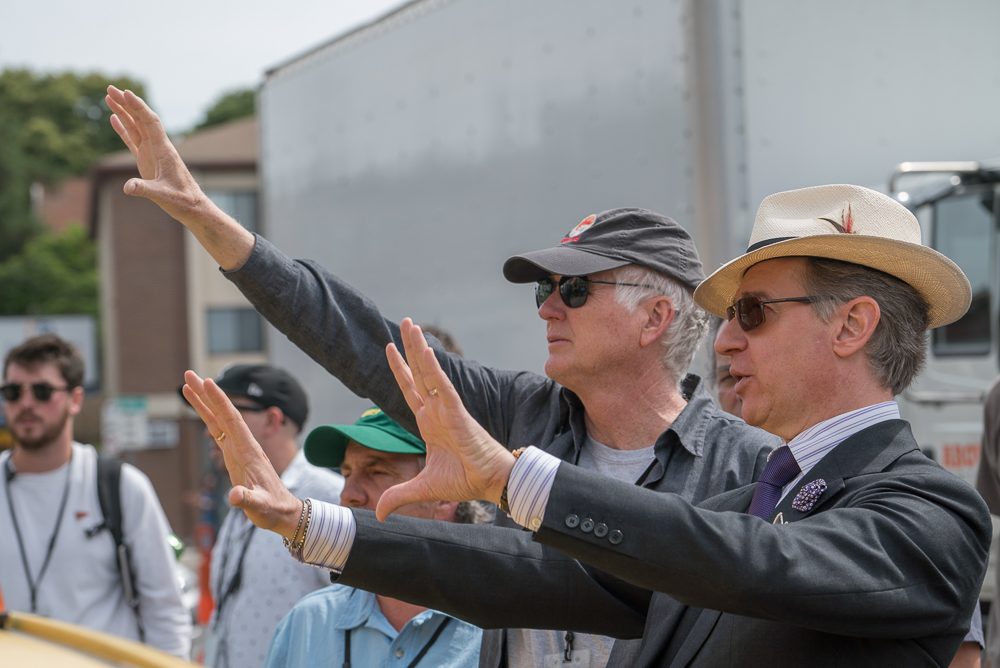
pixel 529 647
pixel 81 584
pixel 272 582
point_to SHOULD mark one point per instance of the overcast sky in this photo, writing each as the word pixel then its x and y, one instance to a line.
pixel 187 52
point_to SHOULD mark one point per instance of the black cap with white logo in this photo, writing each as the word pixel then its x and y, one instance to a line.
pixel 267 386
pixel 610 240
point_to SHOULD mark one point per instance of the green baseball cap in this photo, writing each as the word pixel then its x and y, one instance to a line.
pixel 326 445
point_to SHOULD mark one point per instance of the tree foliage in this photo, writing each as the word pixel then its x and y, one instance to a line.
pixel 53 274
pixel 232 105
pixel 51 126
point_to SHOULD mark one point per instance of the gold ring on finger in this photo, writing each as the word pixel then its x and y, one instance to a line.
pixel 433 392
pixel 221 437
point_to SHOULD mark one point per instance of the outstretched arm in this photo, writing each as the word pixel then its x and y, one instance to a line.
pixel 257 489
pixel 165 179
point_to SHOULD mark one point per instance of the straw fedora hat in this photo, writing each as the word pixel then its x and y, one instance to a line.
pixel 852 224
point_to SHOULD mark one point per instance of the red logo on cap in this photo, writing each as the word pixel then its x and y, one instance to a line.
pixel 575 233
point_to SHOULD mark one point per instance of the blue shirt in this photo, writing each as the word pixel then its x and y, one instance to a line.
pixel 312 634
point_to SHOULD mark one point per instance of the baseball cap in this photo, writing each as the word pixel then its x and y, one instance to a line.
pixel 325 446
pixel 268 386
pixel 610 240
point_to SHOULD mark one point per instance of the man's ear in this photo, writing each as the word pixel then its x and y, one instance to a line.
pixel 275 420
pixel 76 401
pixel 856 324
pixel 445 511
pixel 660 313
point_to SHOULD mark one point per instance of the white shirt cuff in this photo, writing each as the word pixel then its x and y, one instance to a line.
pixel 329 537
pixel 529 486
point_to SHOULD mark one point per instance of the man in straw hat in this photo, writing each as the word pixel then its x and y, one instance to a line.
pixel 853 549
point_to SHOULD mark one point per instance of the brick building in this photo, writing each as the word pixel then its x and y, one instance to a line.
pixel 165 307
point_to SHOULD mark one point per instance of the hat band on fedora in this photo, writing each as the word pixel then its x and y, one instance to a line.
pixel 768 242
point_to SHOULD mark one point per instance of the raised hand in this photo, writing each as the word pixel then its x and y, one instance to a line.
pixel 164 177
pixel 257 489
pixel 464 463
pixel 165 180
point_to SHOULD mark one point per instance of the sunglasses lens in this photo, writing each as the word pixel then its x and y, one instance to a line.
pixel 543 289
pixel 750 313
pixel 42 391
pixel 10 392
pixel 574 291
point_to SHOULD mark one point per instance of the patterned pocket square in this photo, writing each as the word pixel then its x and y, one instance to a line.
pixel 808 495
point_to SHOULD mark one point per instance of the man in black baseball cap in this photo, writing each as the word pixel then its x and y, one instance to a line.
pixel 621 329
pixel 274 408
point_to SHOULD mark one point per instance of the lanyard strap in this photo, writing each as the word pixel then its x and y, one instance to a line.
pixel 236 580
pixel 33 584
pixel 222 659
pixel 416 659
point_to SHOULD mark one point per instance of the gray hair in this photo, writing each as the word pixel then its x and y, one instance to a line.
pixel 468 512
pixel 473 512
pixel 689 326
pixel 715 323
pixel 897 350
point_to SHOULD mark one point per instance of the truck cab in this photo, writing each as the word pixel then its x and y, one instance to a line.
pixel 957 206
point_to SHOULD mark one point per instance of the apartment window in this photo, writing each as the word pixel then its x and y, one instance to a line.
pixel 240 204
pixel 234 330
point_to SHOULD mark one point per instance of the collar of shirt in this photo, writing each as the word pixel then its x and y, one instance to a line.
pixel 360 608
pixel 815 442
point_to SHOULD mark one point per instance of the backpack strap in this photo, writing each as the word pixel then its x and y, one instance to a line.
pixel 109 494
pixel 109 486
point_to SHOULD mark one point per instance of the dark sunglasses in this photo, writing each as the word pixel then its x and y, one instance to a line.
pixel 749 311
pixel 250 409
pixel 574 290
pixel 42 391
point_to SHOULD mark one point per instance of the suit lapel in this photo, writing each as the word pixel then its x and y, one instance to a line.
pixel 868 451
pixel 702 628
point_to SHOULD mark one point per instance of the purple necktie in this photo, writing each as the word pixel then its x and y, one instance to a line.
pixel 780 470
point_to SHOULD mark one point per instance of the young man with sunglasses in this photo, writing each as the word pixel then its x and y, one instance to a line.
pixel 56 557
pixel 249 602
pixel 621 328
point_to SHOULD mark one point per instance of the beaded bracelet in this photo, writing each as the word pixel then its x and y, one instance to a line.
pixel 289 543
pixel 305 527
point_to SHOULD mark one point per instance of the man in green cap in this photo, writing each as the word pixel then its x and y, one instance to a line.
pixel 354 627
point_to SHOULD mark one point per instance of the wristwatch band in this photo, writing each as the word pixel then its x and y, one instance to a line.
pixel 504 504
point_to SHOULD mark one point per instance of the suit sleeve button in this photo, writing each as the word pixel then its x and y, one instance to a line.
pixel 572 521
pixel 615 537
pixel 587 525
pixel 601 530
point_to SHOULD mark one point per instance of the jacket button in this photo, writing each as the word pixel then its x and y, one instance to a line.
pixel 615 537
pixel 587 525
pixel 601 530
pixel 572 521
pixel 399 652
